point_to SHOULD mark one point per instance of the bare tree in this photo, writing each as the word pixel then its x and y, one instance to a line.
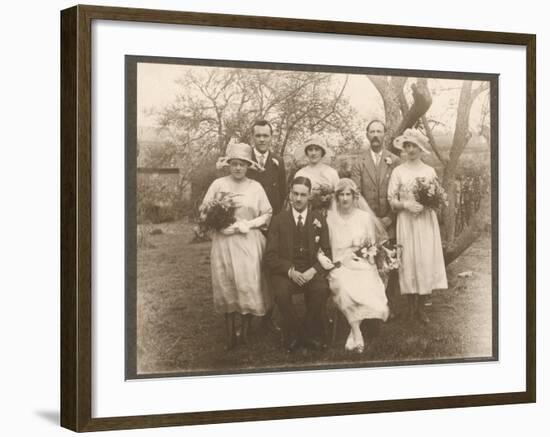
pixel 219 105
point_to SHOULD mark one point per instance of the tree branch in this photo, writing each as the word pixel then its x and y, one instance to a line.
pixel 432 141
pixel 483 87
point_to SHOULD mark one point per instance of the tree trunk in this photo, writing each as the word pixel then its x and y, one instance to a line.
pixel 460 139
pixel 398 116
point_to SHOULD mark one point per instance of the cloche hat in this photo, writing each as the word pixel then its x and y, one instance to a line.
pixel 241 151
pixel 412 136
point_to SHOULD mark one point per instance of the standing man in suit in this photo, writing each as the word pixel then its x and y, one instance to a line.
pixel 273 181
pixel 273 178
pixel 372 175
pixel 294 239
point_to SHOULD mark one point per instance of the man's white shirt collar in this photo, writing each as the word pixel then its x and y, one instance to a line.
pixel 259 154
pixel 295 214
pixel 376 156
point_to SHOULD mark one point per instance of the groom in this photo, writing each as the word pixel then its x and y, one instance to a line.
pixel 372 175
pixel 294 238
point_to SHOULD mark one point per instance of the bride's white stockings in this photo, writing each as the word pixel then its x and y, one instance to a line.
pixel 355 338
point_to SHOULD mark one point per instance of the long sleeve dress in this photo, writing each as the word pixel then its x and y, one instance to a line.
pixel 238 283
pixel 423 267
pixel 357 289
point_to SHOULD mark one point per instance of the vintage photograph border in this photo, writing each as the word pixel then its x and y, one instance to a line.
pixel 76 217
pixel 131 140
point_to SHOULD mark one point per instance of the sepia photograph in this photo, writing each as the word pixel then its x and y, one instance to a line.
pixel 290 217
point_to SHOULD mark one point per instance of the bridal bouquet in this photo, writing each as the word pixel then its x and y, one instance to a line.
pixel 430 194
pixel 368 251
pixel 219 213
pixel 322 197
pixel 390 257
pixel 385 255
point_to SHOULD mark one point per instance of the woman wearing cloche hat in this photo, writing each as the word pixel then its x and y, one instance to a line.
pixel 422 268
pixel 322 176
pixel 238 284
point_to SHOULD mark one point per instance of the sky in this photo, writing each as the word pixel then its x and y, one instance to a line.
pixel 157 88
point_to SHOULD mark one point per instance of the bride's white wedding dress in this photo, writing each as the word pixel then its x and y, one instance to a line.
pixel 357 289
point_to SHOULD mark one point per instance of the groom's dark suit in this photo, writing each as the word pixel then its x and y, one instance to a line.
pixel 289 246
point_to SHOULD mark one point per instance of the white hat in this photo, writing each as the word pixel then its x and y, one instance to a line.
pixel 239 151
pixel 315 140
pixel 412 136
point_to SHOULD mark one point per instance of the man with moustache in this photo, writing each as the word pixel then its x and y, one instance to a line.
pixel 371 175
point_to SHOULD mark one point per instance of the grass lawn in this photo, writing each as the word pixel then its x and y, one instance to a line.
pixel 178 331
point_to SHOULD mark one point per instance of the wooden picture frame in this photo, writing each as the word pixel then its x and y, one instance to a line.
pixel 76 217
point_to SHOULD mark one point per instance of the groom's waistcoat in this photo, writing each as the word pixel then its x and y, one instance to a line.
pixel 301 257
pixel 286 248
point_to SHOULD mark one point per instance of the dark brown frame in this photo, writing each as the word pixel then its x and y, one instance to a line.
pixel 76 217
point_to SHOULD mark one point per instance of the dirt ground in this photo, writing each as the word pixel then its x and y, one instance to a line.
pixel 178 331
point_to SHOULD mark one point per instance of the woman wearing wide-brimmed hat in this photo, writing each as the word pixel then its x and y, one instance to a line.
pixel 238 284
pixel 422 268
pixel 314 151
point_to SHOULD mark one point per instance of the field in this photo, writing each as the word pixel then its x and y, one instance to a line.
pixel 178 331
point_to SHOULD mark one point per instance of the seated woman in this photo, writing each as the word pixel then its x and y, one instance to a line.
pixel 357 289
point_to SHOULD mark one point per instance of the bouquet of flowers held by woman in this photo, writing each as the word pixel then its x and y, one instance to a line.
pixel 430 194
pixel 322 197
pixel 218 213
pixel 386 256
pixel 389 256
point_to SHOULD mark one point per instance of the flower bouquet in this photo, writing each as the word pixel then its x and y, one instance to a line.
pixel 322 197
pixel 385 255
pixel 389 257
pixel 218 213
pixel 368 252
pixel 430 194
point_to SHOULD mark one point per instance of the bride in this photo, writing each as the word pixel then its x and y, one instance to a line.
pixel 357 289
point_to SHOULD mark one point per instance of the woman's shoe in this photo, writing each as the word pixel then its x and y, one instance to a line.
pixel 350 342
pixel 422 317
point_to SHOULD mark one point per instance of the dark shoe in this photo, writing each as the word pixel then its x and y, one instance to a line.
pixel 315 345
pixel 423 317
pixel 269 325
pixel 230 343
pixel 293 345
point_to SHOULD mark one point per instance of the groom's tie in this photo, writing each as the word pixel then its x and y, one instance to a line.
pixel 301 236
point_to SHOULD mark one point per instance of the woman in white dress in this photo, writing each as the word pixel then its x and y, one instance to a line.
pixel 357 289
pixel 319 173
pixel 238 283
pixel 422 266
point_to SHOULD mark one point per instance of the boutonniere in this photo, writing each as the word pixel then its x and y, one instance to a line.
pixel 388 160
pixel 317 224
pixel 317 238
pixel 275 161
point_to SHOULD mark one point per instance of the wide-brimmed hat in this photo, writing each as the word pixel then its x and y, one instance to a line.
pixel 241 151
pixel 315 140
pixel 412 136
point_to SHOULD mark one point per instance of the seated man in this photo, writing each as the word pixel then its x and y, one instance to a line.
pixel 293 241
